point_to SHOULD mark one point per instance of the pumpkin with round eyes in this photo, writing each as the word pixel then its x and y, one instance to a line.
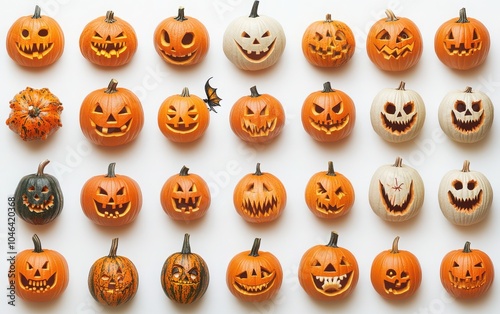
pixel 463 43
pixel 108 41
pixel 394 43
pixel 181 40
pixel 328 43
pixel 35 41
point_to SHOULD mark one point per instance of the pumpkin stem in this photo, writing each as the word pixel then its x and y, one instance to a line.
pixel 395 248
pixel 328 18
pixel 184 171
pixel 37 13
pixel 468 89
pixel 391 17
pixel 255 248
pixel 257 170
pixel 254 92
pixel 33 111
pixel 253 13
pixel 186 247
pixel 334 237
pixel 327 87
pixel 467 247
pixel 37 243
pixel 41 166
pixel 466 166
pixel 402 85
pixel 114 247
pixel 331 171
pixel 185 92
pixel 462 17
pixel 398 162
pixel 111 170
pixel 180 15
pixel 112 87
pixel 110 17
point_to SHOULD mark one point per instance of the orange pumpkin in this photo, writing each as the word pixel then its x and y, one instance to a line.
pixel 111 116
pixel 35 40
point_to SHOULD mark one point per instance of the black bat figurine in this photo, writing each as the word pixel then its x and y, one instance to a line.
pixel 212 99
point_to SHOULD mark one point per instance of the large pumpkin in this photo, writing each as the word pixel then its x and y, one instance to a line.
pixel 184 275
pixel 38 197
pixel 462 43
pixel 35 40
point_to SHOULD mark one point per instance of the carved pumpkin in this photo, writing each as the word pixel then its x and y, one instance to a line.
pixel 111 116
pixel 397 115
pixel 462 43
pixel 255 42
pixel 328 115
pixel 329 194
pixel 328 43
pixel 185 196
pixel 465 196
pixel 467 273
pixel 181 40
pixel 394 43
pixel 35 41
pixel 396 192
pixel 113 279
pixel 34 114
pixel 38 197
pixel 41 275
pixel 254 276
pixel 328 272
pixel 257 118
pixel 108 41
pixel 396 274
pixel 184 275
pixel 259 197
pixel 466 116
pixel 111 199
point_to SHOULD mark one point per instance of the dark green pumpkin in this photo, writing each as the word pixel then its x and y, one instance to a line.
pixel 38 197
pixel 184 276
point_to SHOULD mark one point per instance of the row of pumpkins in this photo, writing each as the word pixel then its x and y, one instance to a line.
pixel 326 272
pixel 253 42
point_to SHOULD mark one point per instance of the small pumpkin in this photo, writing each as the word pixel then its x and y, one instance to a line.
pixel 181 40
pixel 396 274
pixel 329 194
pixel 41 275
pixel 463 43
pixel 113 279
pixel 397 115
pixel 111 199
pixel 35 114
pixel 35 41
pixel 466 116
pixel 184 275
pixel 111 116
pixel 108 41
pixel 259 197
pixel 185 196
pixel 255 42
pixel 257 118
pixel 328 43
pixel 254 276
pixel 328 115
pixel 465 196
pixel 396 192
pixel 467 273
pixel 394 43
pixel 328 272
pixel 38 197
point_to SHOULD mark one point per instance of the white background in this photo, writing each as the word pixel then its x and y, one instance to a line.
pixel 222 159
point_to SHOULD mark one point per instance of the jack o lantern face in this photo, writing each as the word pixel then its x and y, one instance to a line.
pixel 39 197
pixel 182 119
pixel 259 200
pixel 398 118
pixel 467 116
pixel 471 277
pixel 329 202
pixel 256 280
pixel 397 196
pixel 111 120
pixel 394 44
pixel 112 201
pixel 330 118
pixel 114 282
pixel 465 196
pixel 38 276
pixel 34 42
pixel 257 120
pixel 396 283
pixel 255 45
pixel 186 198
pixel 109 44
pixel 332 277
pixel 463 41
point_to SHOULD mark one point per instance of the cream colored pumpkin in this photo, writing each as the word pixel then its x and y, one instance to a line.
pixel 465 196
pixel 397 115
pixel 254 42
pixel 396 192
pixel 466 116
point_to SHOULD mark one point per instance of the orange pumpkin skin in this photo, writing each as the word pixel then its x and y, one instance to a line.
pixel 328 272
pixel 467 273
pixel 328 43
pixel 396 274
pixel 462 44
pixel 35 40
pixel 185 196
pixel 111 199
pixel 108 41
pixel 257 118
pixel 35 114
pixel 111 116
pixel 181 40
pixel 41 275
pixel 254 276
pixel 394 43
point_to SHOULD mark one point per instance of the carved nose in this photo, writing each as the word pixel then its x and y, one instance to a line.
pixel 108 38
pixel 256 42
pixel 468 113
pixel 111 119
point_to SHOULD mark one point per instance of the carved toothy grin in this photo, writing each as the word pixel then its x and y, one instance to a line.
pixel 460 50
pixel 38 286
pixel 34 51
pixel 181 127
pixel 332 285
pixel 397 287
pixel 111 131
pixel 41 207
pixel 327 208
pixel 329 126
pixel 108 49
pixel 467 126
pixel 395 53
pixel 467 283
pixel 254 131
pixel 257 209
pixel 179 59
pixel 186 205
pixel 391 206
pixel 399 127
pixel 466 205
pixel 257 55
pixel 255 289
pixel 329 52
pixel 111 210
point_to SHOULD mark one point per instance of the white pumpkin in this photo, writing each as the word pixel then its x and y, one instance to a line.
pixel 396 192
pixel 255 42
pixel 465 196
pixel 466 116
pixel 397 115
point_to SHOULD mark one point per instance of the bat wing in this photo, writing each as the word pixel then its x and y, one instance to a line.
pixel 213 100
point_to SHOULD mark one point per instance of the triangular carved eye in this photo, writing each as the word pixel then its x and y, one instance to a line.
pixel 320 189
pixel 480 265
pixel 121 191
pixel 124 110
pixel 318 36
pixel 383 35
pixel 178 188
pixel 242 275
pixel 337 108
pixel 266 34
pixel 475 36
pixel 98 109
pixel 97 35
pixel 316 263
pixel 245 35
pixel 101 191
pixel 264 272
pixel 455 264
pixel 450 36
pixel 45 265
pixel 29 266
pixel 328 34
